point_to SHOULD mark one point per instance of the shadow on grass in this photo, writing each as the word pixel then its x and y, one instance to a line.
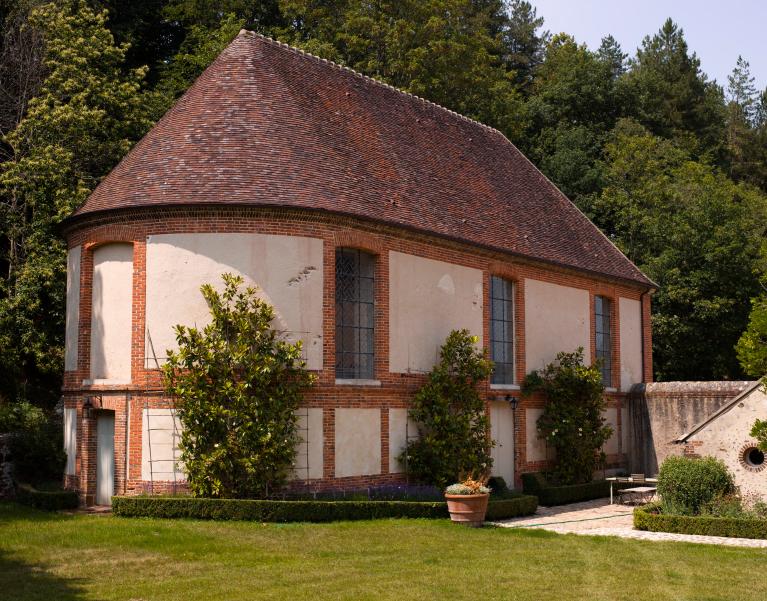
pixel 32 582
pixel 24 581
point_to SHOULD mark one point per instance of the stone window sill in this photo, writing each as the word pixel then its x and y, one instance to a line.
pixel 504 386
pixel 352 382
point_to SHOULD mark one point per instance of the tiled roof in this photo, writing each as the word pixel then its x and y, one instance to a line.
pixel 268 125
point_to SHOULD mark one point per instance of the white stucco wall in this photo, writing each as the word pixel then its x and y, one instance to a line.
pixel 70 439
pixel 557 318
pixel 73 308
pixel 358 442
pixel 309 452
pixel 164 439
pixel 287 269
pixel 111 313
pixel 535 447
pixel 726 436
pixel 502 432
pixel 630 342
pixel 428 299
pixel 611 416
pixel 401 428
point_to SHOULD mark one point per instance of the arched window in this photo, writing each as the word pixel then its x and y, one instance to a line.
pixel 355 321
pixel 603 329
pixel 502 330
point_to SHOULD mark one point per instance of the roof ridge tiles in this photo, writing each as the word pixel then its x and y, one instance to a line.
pixel 379 82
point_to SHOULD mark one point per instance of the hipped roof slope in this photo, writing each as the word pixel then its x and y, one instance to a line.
pixel 268 125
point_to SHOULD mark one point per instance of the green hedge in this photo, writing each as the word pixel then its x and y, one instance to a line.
pixel 303 511
pixel 536 484
pixel 47 500
pixel 504 509
pixel 648 518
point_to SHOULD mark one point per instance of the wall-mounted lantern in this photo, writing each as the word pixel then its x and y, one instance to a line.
pixel 90 405
pixel 513 401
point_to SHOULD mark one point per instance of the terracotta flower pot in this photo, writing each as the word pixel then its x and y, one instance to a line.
pixel 468 509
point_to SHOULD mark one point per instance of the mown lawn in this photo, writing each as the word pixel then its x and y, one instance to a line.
pixel 66 558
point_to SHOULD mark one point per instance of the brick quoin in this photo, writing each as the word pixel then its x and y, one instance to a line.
pixel 145 390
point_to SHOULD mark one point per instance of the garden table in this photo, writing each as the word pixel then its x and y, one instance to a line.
pixel 621 479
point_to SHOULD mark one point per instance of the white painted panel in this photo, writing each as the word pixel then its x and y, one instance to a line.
pixel 70 439
pixel 535 448
pixel 111 313
pixel 105 458
pixel 160 437
pixel 73 308
pixel 358 442
pixel 502 432
pixel 611 415
pixel 401 429
pixel 427 300
pixel 557 318
pixel 287 270
pixel 630 342
pixel 309 453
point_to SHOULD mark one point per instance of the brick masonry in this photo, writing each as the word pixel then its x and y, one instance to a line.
pixel 145 391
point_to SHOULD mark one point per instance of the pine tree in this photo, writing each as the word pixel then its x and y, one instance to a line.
pixel 672 96
pixel 741 90
pixel 611 53
pixel 524 41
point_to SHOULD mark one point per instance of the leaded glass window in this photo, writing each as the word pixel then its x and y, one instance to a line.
pixel 355 324
pixel 602 319
pixel 502 330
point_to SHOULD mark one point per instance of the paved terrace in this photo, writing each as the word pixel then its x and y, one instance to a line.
pixel 599 518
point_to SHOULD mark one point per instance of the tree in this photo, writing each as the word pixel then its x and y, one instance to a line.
pixel 453 427
pixel 524 42
pixel 752 346
pixel 572 421
pixel 442 50
pixel 87 114
pixel 746 130
pixel 238 386
pixel 611 53
pixel 672 96
pixel 697 234
pixel 572 107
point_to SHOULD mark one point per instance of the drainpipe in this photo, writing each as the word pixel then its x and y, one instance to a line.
pixel 127 443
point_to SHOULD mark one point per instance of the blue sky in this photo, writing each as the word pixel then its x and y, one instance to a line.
pixel 717 31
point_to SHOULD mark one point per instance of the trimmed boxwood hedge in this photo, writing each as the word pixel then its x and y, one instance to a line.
pixel 536 484
pixel 647 517
pixel 303 511
pixel 47 500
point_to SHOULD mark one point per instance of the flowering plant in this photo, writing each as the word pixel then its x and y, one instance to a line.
pixel 468 487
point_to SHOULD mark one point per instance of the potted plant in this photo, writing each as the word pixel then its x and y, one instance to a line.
pixel 467 502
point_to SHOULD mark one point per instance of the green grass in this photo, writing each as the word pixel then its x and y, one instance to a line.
pixel 55 557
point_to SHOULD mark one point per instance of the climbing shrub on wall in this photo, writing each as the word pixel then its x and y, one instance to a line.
pixel 572 420
pixel 453 427
pixel 237 386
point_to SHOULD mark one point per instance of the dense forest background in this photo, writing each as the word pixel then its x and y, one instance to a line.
pixel 671 165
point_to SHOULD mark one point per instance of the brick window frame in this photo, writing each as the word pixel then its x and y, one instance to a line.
pixel 510 273
pixel 371 245
pixel 609 294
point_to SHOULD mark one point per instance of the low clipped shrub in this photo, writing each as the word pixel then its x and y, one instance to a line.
pixel 686 485
pixel 652 518
pixel 536 484
pixel 47 500
pixel 304 511
pixel 511 507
